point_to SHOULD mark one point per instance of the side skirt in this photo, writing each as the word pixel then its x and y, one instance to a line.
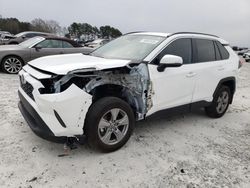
pixel 179 109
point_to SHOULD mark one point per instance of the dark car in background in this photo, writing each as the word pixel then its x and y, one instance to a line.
pixel 20 37
pixel 13 57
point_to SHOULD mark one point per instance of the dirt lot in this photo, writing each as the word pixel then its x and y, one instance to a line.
pixel 185 150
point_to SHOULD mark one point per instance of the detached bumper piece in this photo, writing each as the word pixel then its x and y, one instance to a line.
pixel 37 125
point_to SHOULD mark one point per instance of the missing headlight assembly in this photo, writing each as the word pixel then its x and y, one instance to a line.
pixel 130 83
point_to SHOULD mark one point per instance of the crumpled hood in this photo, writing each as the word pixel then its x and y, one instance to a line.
pixel 62 64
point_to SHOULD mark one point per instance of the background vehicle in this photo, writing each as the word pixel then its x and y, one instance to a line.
pixel 243 51
pixel 20 37
pixel 13 57
pixel 3 33
pixel 126 80
pixel 4 36
pixel 246 56
pixel 97 43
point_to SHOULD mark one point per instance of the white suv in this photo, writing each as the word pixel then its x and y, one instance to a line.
pixel 101 95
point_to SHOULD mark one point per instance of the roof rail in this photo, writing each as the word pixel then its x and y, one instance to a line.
pixel 176 33
pixel 134 32
pixel 193 33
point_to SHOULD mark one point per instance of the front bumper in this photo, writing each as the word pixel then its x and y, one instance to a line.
pixel 35 122
pixel 56 115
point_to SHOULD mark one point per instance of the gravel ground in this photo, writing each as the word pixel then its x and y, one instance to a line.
pixel 185 150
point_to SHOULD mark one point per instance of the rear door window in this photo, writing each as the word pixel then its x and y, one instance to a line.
pixel 50 43
pixel 67 45
pixel 205 50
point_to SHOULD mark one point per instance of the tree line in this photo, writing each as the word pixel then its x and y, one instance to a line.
pixel 79 29
pixel 76 30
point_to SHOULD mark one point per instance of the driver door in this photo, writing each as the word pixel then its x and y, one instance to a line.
pixel 47 47
pixel 175 85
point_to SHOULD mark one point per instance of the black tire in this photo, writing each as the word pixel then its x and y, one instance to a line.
pixel 100 111
pixel 11 64
pixel 218 109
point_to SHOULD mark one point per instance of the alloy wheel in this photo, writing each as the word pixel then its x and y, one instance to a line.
pixel 12 65
pixel 222 102
pixel 113 126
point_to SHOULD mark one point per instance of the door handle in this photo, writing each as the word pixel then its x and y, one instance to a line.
pixel 190 74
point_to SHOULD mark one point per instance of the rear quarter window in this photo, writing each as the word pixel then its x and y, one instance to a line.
pixel 217 52
pixel 223 51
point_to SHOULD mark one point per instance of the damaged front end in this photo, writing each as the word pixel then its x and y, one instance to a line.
pixel 130 83
pixel 62 101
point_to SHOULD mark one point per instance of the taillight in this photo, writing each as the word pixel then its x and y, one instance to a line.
pixel 241 61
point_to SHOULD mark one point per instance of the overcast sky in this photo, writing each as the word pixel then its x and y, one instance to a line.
pixel 229 19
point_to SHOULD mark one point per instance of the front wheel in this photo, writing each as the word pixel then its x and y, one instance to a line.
pixel 220 103
pixel 109 124
pixel 12 64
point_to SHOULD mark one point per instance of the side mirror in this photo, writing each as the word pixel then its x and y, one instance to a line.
pixel 38 48
pixel 169 61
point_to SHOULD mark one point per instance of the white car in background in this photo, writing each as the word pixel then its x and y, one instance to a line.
pixel 97 43
pixel 103 94
pixel 3 33
pixel 246 56
pixel 4 36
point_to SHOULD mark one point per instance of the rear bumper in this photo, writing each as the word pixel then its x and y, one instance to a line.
pixel 35 122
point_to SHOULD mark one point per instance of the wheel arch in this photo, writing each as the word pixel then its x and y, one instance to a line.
pixel 118 91
pixel 12 55
pixel 229 82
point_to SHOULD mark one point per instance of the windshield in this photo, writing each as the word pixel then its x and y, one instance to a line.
pixel 130 47
pixel 19 34
pixel 30 42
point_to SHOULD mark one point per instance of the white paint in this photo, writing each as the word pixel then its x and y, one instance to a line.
pixel 171 88
pixel 72 106
pixel 62 64
pixel 33 72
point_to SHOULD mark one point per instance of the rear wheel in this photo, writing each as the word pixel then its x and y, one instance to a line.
pixel 12 64
pixel 220 103
pixel 109 124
